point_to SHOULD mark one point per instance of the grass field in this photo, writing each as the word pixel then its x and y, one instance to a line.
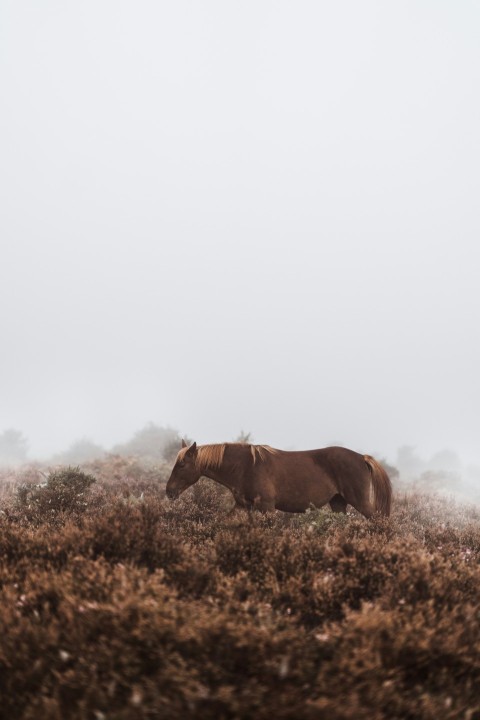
pixel 117 604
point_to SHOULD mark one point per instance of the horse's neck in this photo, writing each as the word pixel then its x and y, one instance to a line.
pixel 227 474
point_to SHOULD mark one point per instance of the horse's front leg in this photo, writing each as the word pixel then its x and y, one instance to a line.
pixel 263 492
pixel 241 505
pixel 245 510
pixel 235 509
pixel 264 504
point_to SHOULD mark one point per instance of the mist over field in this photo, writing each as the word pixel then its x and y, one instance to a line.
pixel 219 216
pixel 253 222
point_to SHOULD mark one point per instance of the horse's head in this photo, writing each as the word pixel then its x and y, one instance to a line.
pixel 185 471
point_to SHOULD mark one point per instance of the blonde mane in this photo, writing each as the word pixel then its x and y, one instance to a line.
pixel 211 456
pixel 262 452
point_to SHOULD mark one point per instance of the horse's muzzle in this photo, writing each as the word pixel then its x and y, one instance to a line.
pixel 171 494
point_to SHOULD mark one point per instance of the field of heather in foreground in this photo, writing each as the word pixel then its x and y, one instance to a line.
pixel 117 604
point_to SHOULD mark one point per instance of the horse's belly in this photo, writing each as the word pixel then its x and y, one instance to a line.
pixel 298 494
pixel 292 506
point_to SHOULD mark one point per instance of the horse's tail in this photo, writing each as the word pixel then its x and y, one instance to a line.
pixel 381 485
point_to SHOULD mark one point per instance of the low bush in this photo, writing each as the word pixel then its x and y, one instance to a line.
pixel 125 605
pixel 64 493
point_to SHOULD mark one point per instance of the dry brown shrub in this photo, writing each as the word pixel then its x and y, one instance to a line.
pixel 139 608
pixel 64 493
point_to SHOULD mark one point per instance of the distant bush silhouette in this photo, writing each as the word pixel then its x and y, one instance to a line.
pixel 244 437
pixel 13 447
pixel 81 451
pixel 151 442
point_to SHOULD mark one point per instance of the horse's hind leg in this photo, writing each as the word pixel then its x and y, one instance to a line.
pixel 363 502
pixel 338 504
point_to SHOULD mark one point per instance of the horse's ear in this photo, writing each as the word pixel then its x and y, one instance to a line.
pixel 184 444
pixel 192 449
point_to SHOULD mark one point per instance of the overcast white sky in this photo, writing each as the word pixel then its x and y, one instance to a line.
pixel 226 215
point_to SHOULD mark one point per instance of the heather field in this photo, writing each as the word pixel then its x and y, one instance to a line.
pixel 117 604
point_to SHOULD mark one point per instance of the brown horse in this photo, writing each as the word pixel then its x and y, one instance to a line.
pixel 267 479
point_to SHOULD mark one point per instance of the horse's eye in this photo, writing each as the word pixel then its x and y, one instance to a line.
pixel 181 463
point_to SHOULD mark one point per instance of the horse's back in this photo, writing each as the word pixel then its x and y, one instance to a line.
pixel 313 477
pixel 330 460
pixel 300 478
pixel 337 458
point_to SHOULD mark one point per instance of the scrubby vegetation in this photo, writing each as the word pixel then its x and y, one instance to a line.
pixel 119 604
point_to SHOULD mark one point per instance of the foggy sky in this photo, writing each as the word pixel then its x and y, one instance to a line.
pixel 241 215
